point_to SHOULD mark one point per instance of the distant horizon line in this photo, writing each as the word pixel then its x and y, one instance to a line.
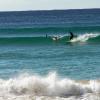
pixel 49 9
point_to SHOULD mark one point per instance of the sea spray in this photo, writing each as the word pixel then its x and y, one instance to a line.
pixel 50 86
pixel 84 37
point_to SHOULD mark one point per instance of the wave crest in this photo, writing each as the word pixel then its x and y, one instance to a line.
pixel 84 37
pixel 50 85
pixel 60 39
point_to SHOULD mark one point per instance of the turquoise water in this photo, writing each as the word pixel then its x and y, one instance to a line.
pixel 79 60
pixel 29 60
pixel 25 48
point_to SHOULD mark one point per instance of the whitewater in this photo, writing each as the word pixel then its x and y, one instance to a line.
pixel 84 37
pixel 50 87
pixel 51 39
pixel 38 61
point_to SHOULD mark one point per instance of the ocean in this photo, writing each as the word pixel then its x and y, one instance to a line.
pixel 38 61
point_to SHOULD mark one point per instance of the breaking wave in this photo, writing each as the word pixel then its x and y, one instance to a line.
pixel 61 39
pixel 86 37
pixel 50 87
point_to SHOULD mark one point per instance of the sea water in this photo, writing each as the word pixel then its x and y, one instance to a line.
pixel 36 66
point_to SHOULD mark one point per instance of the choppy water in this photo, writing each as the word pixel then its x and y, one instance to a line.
pixel 34 66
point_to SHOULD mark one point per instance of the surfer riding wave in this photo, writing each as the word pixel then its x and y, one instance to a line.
pixel 71 35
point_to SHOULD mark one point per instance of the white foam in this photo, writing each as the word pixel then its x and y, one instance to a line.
pixel 84 37
pixel 57 37
pixel 50 86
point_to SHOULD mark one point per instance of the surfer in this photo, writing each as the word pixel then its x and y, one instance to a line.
pixel 55 38
pixel 71 35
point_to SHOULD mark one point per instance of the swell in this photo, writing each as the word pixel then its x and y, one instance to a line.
pixel 50 29
pixel 25 40
pixel 61 39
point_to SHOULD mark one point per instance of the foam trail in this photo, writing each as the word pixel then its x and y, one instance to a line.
pixel 84 37
pixel 50 87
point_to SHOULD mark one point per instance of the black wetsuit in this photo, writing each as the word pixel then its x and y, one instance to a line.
pixel 71 35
